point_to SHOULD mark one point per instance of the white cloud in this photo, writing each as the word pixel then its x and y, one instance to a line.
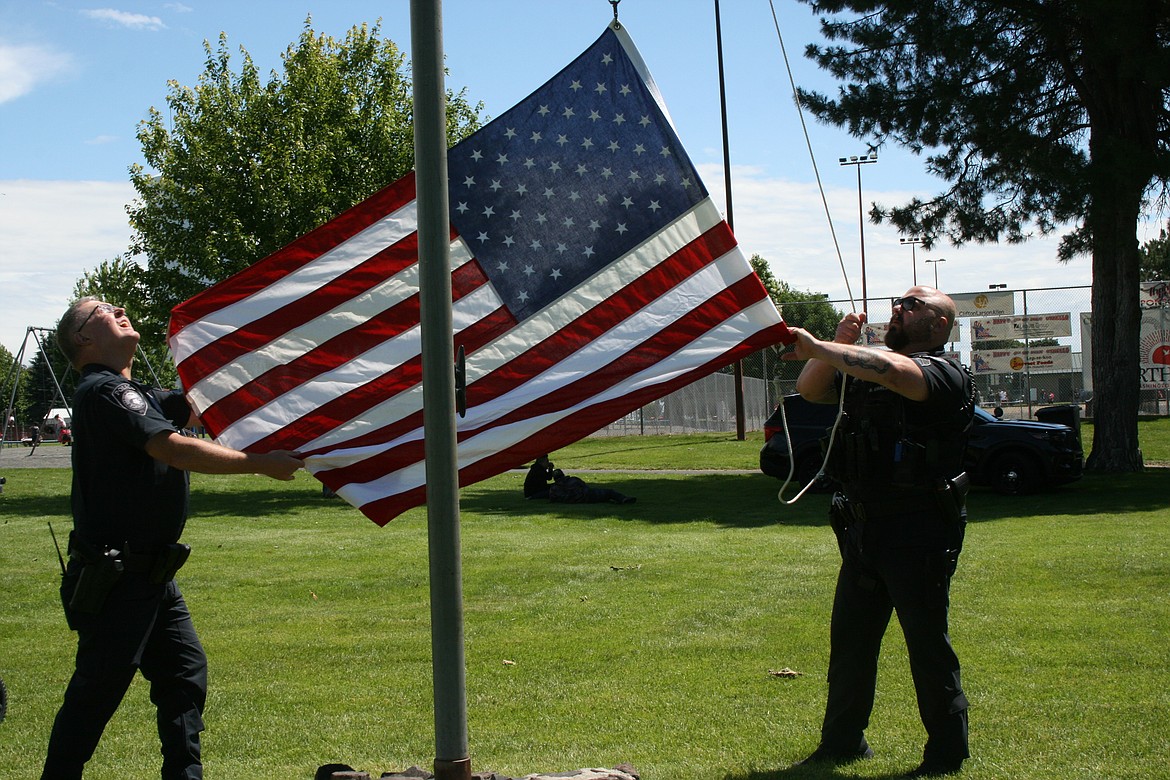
pixel 124 18
pixel 100 140
pixel 54 231
pixel 178 8
pixel 57 230
pixel 24 67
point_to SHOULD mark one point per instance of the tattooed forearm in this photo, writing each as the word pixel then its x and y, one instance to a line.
pixel 866 358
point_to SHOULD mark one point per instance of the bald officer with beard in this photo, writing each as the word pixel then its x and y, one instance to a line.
pixel 899 518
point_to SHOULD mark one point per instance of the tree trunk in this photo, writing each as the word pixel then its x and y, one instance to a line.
pixel 1123 105
pixel 1115 330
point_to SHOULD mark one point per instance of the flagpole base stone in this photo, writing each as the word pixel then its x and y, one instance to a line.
pixel 343 772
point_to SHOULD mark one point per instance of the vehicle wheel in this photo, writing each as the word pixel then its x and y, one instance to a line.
pixel 1013 474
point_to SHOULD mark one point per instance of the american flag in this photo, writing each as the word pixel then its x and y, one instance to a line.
pixel 591 274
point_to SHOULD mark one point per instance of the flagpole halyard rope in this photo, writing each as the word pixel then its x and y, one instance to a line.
pixel 812 156
pixel 844 275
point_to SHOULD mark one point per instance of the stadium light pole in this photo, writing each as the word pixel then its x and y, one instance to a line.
pixel 913 242
pixel 858 161
pixel 935 263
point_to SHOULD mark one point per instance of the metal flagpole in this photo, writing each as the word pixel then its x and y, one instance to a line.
pixel 442 470
pixel 740 423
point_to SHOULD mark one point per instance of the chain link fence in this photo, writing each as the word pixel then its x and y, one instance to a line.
pixel 1024 347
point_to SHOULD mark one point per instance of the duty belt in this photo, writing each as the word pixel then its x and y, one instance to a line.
pixel 863 510
pixel 161 566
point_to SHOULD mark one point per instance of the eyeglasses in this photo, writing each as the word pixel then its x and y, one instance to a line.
pixel 106 307
pixel 910 303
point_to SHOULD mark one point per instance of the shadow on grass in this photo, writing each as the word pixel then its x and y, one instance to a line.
pixel 750 500
pixel 253 502
pixel 732 500
pixel 814 772
pixel 1093 494
pixel 49 506
pixel 726 500
pixel 265 500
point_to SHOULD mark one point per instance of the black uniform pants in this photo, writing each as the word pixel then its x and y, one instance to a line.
pixel 879 577
pixel 144 627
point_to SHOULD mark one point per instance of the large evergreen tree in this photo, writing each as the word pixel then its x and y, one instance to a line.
pixel 1038 113
pixel 239 167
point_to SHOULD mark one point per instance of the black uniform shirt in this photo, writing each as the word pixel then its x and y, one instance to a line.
pixel 121 495
pixel 911 443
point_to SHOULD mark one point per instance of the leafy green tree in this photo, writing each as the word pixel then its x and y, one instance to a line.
pixel 1038 113
pixel 239 167
pixel 1155 262
pixel 15 406
pixel 809 310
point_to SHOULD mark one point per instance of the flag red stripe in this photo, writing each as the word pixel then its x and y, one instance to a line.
pixel 332 353
pixel 660 345
pixel 263 330
pixel 573 336
pixel 350 405
pixel 563 432
pixel 297 254
pixel 581 331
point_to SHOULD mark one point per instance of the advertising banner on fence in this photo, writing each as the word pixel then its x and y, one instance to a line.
pixel 1155 295
pixel 997 303
pixel 1038 360
pixel 1153 348
pixel 1031 326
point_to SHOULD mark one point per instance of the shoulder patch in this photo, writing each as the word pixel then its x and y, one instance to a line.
pixel 130 398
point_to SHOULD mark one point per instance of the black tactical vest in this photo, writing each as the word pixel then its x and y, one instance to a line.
pixel 887 443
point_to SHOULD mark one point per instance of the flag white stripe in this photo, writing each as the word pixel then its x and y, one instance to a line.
pixel 297 285
pixel 305 400
pixel 593 356
pixel 308 397
pixel 489 443
pixel 285 349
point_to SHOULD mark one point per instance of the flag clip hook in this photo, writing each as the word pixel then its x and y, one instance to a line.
pixel 461 382
pixel 614 3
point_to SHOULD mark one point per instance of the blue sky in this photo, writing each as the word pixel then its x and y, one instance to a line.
pixel 77 77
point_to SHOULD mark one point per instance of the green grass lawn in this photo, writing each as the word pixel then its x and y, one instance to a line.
pixel 600 634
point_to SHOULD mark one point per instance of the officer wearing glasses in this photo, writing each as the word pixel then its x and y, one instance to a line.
pixel 129 500
pixel 899 517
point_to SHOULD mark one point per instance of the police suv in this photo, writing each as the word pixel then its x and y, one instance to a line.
pixel 1009 456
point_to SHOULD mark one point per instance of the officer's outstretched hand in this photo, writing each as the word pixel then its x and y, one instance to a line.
pixel 802 345
pixel 279 464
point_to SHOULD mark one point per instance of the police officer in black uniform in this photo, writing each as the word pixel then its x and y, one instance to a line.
pixel 899 518
pixel 129 501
